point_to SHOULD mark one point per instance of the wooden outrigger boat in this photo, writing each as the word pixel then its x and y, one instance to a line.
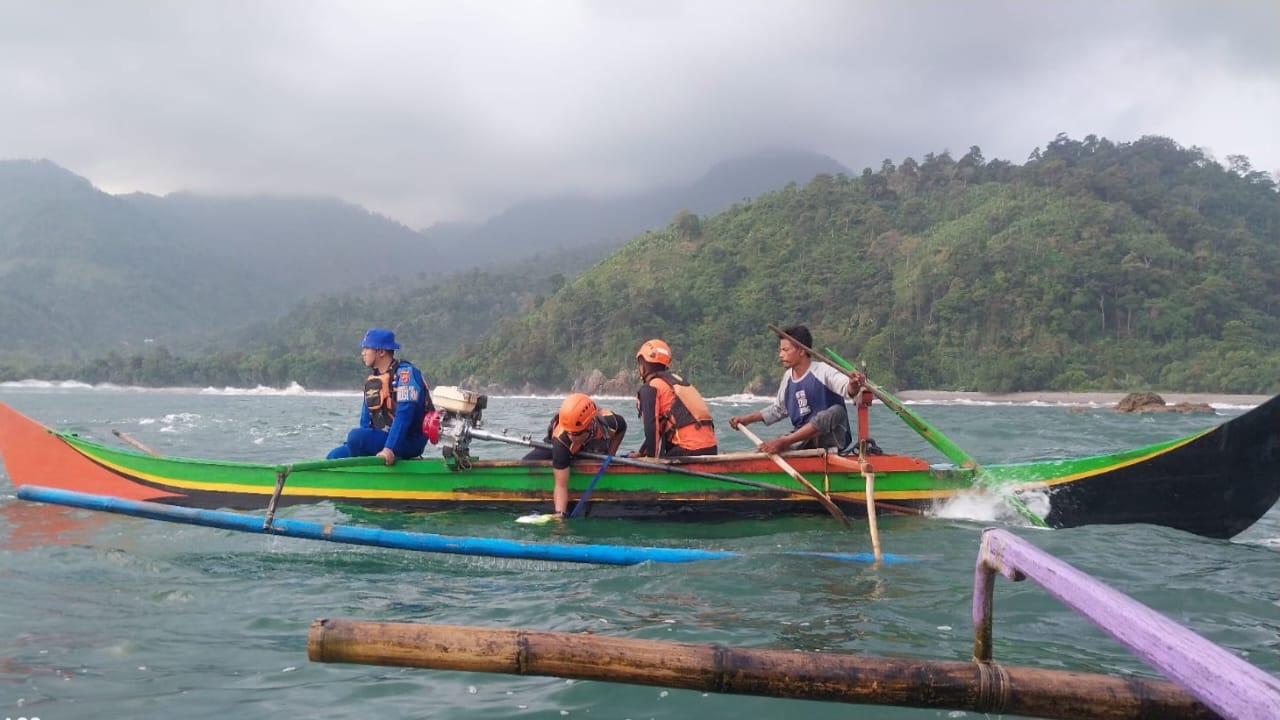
pixel 1214 483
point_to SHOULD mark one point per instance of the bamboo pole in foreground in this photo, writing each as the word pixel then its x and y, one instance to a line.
pixel 976 687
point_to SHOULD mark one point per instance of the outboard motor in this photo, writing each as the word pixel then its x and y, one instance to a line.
pixel 457 411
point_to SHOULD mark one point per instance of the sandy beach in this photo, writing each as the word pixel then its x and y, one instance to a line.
pixel 1070 398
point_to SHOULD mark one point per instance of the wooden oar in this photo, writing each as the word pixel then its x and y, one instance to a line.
pixel 939 441
pixel 821 497
pixel 582 501
pixel 871 502
pixel 135 443
pixel 647 465
pixel 931 434
pixel 950 450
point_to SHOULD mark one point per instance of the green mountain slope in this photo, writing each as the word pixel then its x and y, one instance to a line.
pixel 82 272
pixel 1093 266
pixel 566 222
pixel 305 245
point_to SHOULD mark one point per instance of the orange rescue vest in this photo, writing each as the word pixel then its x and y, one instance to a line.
pixel 687 409
pixel 377 397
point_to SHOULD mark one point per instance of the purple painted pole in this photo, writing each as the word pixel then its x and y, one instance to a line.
pixel 1230 686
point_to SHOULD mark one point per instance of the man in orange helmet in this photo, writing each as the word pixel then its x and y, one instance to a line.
pixel 674 416
pixel 579 426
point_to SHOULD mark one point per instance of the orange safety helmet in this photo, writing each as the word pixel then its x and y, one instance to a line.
pixel 655 351
pixel 576 412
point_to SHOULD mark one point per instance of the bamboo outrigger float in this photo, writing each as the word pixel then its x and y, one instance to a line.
pixel 401 540
pixel 1211 682
pixel 1214 483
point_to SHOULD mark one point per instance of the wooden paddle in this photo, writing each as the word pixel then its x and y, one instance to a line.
pixel 655 465
pixel 821 497
pixel 953 452
pixel 870 476
pixel 582 501
pixel 137 444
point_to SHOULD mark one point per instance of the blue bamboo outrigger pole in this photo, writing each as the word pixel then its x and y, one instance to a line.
pixel 420 542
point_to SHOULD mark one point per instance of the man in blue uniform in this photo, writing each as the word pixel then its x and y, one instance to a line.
pixel 812 395
pixel 395 401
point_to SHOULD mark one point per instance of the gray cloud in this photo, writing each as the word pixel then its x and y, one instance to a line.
pixel 430 111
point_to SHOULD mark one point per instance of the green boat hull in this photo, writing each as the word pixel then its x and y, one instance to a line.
pixel 1215 483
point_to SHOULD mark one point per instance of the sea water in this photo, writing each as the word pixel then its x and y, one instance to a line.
pixel 105 616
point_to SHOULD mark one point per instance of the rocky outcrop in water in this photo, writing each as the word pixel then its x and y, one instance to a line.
pixel 1145 402
pixel 596 383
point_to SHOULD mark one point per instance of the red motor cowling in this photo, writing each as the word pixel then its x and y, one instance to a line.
pixel 431 426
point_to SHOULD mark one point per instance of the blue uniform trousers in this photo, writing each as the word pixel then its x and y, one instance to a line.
pixel 362 442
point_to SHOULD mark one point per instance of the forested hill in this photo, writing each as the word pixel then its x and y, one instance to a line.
pixel 1092 266
pixel 82 269
pixel 576 221
pixel 83 272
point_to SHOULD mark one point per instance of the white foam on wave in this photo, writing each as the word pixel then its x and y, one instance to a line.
pixel 293 389
pixel 46 384
pixel 740 399
pixel 180 422
pixel 991 507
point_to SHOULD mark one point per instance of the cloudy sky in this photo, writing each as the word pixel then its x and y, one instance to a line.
pixel 453 110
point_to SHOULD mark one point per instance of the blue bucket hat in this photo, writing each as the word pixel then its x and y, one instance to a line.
pixel 380 339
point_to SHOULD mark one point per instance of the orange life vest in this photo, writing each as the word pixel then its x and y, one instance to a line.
pixel 377 397
pixel 687 422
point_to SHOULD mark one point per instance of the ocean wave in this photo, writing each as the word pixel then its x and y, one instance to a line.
pixel 1090 400
pixel 294 389
pixel 46 384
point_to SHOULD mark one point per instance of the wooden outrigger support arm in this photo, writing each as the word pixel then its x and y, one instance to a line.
pixel 1222 681
pixel 903 682
pixel 1210 681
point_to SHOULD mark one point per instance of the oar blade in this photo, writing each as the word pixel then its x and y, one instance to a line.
pixel 537 518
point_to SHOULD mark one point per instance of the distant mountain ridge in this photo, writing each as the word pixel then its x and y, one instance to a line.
pixel 1093 266
pixel 301 244
pixel 183 270
pixel 572 221
pixel 82 272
